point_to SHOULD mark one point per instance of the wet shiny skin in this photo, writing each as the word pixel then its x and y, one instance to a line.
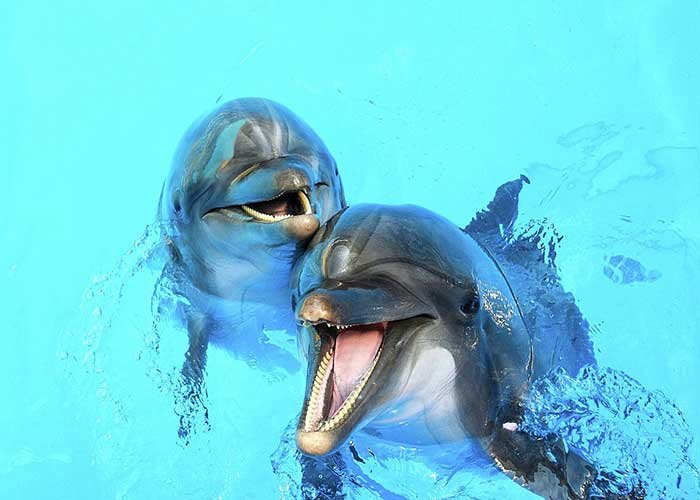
pixel 456 360
pixel 236 267
pixel 433 379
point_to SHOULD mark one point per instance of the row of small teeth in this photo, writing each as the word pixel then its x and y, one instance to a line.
pixel 348 405
pixel 305 203
pixel 316 389
pixel 261 216
pixel 340 327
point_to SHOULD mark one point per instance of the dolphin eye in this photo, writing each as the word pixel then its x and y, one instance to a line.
pixel 471 304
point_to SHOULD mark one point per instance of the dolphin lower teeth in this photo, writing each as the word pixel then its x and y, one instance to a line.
pixel 263 216
pixel 313 409
pixel 313 420
pixel 258 215
pixel 342 414
pixel 303 205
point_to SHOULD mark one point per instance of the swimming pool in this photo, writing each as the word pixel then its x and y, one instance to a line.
pixel 435 106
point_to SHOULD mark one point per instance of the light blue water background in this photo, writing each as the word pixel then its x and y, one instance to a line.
pixel 434 103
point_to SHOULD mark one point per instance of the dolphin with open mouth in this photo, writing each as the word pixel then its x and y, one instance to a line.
pixel 415 336
pixel 249 186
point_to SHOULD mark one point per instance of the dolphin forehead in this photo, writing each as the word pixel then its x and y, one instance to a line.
pixel 247 131
pixel 364 238
pixel 241 134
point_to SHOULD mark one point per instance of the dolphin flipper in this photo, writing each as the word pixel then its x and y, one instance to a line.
pixel 543 466
pixel 547 467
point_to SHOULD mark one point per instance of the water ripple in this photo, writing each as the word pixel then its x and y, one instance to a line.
pixel 635 436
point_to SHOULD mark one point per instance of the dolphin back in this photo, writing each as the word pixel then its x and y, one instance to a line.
pixel 559 331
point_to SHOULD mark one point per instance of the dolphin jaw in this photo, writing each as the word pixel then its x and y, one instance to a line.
pixel 320 421
pixel 324 425
pixel 283 206
pixel 302 200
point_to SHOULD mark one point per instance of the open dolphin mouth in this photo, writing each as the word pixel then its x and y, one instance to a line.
pixel 348 356
pixel 284 206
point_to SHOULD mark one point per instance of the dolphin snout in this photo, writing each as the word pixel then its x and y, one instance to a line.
pixel 317 308
pixel 301 227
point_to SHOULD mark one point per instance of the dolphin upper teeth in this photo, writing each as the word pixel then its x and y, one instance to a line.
pixel 338 327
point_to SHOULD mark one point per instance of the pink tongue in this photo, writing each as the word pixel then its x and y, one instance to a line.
pixel 355 349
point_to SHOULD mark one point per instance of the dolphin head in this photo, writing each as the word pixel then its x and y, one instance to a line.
pixel 401 322
pixel 249 185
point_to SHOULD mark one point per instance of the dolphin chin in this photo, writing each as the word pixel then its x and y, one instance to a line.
pixel 317 443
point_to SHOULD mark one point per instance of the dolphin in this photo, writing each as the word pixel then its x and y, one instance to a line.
pixel 414 336
pixel 250 184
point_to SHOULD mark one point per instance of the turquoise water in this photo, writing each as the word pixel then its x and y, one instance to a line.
pixel 435 105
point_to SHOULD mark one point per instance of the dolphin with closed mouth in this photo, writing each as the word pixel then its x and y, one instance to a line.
pixel 414 336
pixel 250 184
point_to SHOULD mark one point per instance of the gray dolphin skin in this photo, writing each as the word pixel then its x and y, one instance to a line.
pixel 414 336
pixel 249 186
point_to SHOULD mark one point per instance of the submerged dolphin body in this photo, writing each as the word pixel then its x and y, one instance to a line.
pixel 415 336
pixel 249 186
